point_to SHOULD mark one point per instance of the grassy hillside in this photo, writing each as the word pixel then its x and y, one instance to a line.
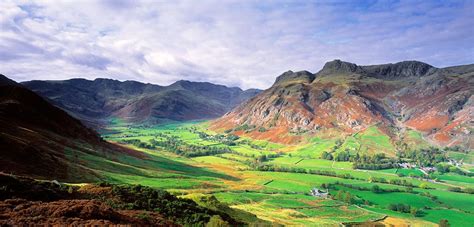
pixel 272 181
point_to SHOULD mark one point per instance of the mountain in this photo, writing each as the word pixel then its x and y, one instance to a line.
pixel 345 99
pixel 97 101
pixel 38 139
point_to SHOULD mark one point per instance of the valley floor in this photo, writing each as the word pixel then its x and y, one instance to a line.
pixel 193 162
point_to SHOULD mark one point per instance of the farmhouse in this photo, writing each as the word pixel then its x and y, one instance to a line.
pixel 428 169
pixel 406 165
pixel 318 193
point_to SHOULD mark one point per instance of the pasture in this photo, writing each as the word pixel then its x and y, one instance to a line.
pixel 284 197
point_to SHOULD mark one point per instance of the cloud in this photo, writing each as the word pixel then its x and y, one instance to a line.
pixel 236 43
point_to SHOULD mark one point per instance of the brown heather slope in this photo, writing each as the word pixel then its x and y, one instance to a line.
pixel 35 136
pixel 27 202
pixel 346 98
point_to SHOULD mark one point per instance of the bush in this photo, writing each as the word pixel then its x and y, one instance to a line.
pixel 375 189
pixel 216 221
pixel 444 223
pixel 400 207
pixel 182 211
pixel 424 186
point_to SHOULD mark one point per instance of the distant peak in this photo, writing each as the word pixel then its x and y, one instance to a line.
pixel 288 76
pixel 187 83
pixel 338 66
pixel 386 71
pixel 399 69
pixel 193 85
pixel 4 81
pixel 412 65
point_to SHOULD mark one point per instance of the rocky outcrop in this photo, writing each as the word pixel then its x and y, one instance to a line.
pixel 349 98
pixel 399 70
pixel 292 77
pixel 337 67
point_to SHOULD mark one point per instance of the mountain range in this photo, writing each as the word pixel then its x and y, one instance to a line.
pixel 341 99
pixel 345 99
pixel 95 102
pixel 346 122
pixel 39 140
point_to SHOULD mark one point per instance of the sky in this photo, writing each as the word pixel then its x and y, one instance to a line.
pixel 235 43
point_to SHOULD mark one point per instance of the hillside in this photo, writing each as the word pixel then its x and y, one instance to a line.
pixel 36 137
pixel 188 173
pixel 41 145
pixel 345 99
pixel 95 102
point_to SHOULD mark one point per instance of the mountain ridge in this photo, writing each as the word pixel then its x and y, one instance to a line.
pixel 349 98
pixel 96 101
pixel 36 136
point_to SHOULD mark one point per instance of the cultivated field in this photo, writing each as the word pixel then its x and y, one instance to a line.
pixel 273 181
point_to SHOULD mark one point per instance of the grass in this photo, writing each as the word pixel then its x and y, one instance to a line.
pixel 455 218
pixel 153 170
pixel 315 147
pixel 218 160
pixel 465 157
pixel 278 196
pixel 372 140
pixel 414 139
pixel 350 144
pixel 451 177
pixel 382 200
pixel 295 209
pixel 406 172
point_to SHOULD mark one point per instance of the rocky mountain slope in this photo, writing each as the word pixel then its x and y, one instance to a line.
pixel 345 98
pixel 101 99
pixel 36 137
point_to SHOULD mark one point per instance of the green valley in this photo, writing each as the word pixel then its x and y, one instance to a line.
pixel 273 181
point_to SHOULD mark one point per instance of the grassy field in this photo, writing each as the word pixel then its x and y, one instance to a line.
pixel 373 140
pixel 283 197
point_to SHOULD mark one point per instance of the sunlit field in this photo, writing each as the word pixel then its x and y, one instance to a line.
pixel 232 175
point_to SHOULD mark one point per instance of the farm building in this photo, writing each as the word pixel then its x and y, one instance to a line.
pixel 318 193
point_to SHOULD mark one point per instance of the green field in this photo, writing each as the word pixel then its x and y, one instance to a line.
pixel 373 140
pixel 283 197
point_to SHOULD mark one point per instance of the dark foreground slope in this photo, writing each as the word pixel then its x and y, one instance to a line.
pixel 99 100
pixel 345 98
pixel 24 201
pixel 35 137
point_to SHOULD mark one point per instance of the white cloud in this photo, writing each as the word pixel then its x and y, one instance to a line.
pixel 236 43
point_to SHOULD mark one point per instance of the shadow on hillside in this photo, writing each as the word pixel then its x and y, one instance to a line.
pixel 149 166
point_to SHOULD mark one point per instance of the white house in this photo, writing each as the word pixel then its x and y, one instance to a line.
pixel 318 193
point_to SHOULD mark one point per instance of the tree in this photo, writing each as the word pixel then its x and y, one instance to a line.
pixel 401 174
pixel 326 155
pixel 348 197
pixel 392 207
pixel 414 212
pixel 262 158
pixel 339 195
pixel 454 189
pixel 375 189
pixel 444 223
pixel 424 185
pixel 371 179
pixel 216 221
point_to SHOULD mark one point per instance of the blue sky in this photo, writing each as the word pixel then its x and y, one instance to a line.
pixel 235 43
